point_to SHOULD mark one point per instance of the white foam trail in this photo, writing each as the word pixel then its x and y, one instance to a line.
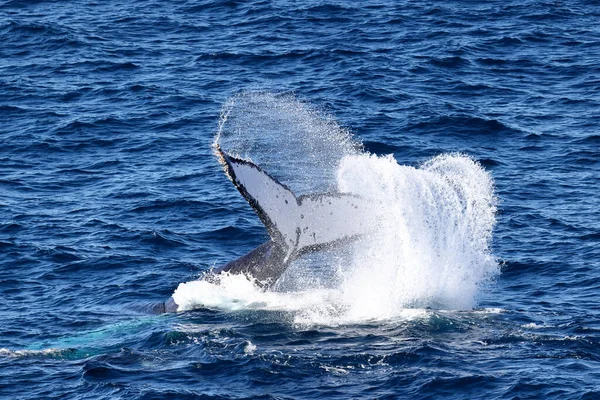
pixel 430 248
pixel 53 353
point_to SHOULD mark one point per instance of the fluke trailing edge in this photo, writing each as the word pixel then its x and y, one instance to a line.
pixel 296 225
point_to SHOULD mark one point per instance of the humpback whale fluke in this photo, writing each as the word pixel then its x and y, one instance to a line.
pixel 296 225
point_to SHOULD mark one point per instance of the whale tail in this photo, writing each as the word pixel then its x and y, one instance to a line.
pixel 297 224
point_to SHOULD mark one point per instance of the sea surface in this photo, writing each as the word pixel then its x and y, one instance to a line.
pixel 475 125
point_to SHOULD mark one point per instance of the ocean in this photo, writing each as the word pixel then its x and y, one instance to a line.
pixel 470 129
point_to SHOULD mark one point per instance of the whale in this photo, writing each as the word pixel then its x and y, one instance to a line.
pixel 297 225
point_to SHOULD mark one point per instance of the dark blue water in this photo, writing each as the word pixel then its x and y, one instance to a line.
pixel 110 195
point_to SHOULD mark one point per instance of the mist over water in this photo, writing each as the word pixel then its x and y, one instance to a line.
pixel 295 143
pixel 427 244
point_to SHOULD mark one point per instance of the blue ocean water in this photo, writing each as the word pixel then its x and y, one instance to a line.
pixel 110 195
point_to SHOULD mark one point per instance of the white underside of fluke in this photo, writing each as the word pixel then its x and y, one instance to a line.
pixel 302 223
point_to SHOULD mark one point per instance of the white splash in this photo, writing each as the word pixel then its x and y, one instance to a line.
pixel 426 243
pixel 431 248
pixel 250 348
